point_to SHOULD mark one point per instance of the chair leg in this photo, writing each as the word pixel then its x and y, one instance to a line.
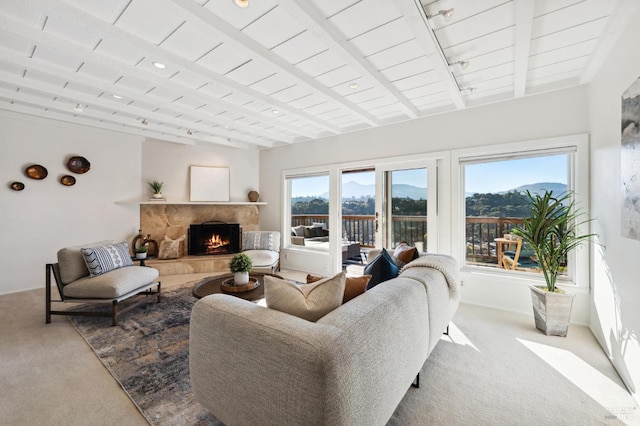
pixel 446 331
pixel 159 291
pixel 416 382
pixel 114 313
pixel 48 295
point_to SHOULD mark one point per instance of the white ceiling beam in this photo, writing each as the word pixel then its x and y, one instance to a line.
pixel 618 21
pixel 421 29
pixel 146 48
pixel 98 117
pixel 524 10
pixel 205 16
pixel 34 64
pixel 41 38
pixel 172 124
pixel 58 116
pixel 311 17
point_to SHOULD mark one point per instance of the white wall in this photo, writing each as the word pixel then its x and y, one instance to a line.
pixel 616 290
pixel 46 216
pixel 528 119
pixel 169 163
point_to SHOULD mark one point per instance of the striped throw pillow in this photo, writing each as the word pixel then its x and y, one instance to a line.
pixel 103 259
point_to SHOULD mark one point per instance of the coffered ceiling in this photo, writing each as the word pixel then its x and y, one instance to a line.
pixel 289 71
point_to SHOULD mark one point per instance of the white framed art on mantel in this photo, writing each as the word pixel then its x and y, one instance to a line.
pixel 209 183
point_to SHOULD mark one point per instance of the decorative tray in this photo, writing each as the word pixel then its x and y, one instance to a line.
pixel 229 285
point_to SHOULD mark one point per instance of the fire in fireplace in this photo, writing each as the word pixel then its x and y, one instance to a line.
pixel 212 238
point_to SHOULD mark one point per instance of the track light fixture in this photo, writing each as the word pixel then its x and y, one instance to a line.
pixel 446 14
pixel 470 90
pixel 189 132
pixel 463 64
pixel 144 121
pixel 78 108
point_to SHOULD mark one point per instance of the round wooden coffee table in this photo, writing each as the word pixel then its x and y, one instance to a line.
pixel 212 285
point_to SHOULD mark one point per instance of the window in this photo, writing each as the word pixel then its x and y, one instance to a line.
pixel 308 211
pixel 494 204
pixel 406 207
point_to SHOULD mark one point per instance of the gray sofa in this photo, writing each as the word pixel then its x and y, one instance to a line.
pixel 254 365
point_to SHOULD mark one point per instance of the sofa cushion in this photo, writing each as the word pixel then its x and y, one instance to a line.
pixel 261 240
pixel 404 253
pixel 307 301
pixel 381 268
pixel 103 259
pixel 354 286
pixel 298 230
pixel 262 258
pixel 111 284
pixel 71 261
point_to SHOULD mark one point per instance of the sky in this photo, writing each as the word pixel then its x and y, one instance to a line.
pixel 320 184
pixel 495 176
pixel 500 176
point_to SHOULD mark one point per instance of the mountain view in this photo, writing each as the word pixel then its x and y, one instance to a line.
pixel 410 200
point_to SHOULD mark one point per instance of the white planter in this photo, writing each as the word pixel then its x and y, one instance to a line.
pixel 241 278
pixel 141 255
pixel 158 195
pixel 551 311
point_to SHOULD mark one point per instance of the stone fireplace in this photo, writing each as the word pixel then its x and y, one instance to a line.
pixel 207 239
pixel 172 221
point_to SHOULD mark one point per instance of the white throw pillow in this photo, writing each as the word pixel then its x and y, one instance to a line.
pixel 307 301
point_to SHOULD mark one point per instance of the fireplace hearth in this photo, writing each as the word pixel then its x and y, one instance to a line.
pixel 214 238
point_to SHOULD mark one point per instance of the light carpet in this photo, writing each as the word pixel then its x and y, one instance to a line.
pixel 488 371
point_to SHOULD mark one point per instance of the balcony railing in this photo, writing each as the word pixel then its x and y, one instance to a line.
pixel 480 231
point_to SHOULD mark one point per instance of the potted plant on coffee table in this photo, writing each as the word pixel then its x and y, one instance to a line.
pixel 552 231
pixel 241 264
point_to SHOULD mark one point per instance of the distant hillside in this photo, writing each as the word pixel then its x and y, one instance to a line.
pixel 358 190
pixel 541 187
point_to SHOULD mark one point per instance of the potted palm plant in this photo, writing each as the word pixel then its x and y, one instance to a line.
pixel 241 264
pixel 551 230
pixel 156 187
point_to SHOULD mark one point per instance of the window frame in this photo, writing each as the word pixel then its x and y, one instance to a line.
pixel 578 181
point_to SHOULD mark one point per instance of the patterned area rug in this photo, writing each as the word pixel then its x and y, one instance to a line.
pixel 148 354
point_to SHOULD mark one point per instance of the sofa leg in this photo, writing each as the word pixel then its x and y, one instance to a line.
pixel 416 382
pixel 446 331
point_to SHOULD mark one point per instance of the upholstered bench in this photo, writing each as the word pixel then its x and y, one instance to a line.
pixel 101 272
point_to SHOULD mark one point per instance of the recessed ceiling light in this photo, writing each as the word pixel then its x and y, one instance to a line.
pixel 354 86
pixel 241 3
pixel 446 14
pixel 159 65
pixel 78 108
pixel 275 111
pixel 116 96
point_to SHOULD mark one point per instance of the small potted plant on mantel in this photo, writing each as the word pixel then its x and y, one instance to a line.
pixel 551 230
pixel 156 187
pixel 141 252
pixel 241 264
